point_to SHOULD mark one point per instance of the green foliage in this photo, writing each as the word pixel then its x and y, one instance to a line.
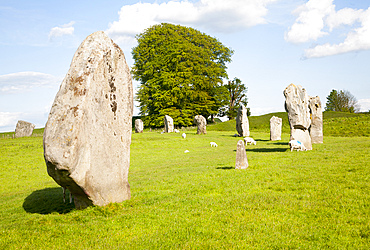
pixel 180 71
pixel 342 101
pixel 237 95
pixel 317 199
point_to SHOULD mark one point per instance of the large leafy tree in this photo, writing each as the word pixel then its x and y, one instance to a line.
pixel 237 95
pixel 180 71
pixel 341 100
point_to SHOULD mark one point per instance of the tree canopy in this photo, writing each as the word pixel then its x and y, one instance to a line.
pixel 237 94
pixel 341 101
pixel 180 71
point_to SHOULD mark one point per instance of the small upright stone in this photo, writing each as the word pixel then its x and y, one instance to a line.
pixel 296 104
pixel 168 124
pixel 316 129
pixel 88 133
pixel 241 156
pixel 23 129
pixel 139 126
pixel 275 128
pixel 242 123
pixel 201 123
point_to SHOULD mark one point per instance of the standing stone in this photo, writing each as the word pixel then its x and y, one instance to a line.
pixel 139 126
pixel 201 123
pixel 316 129
pixel 242 123
pixel 275 128
pixel 88 133
pixel 24 129
pixel 241 156
pixel 168 124
pixel 296 104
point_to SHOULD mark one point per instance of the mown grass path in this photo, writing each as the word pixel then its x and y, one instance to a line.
pixel 308 200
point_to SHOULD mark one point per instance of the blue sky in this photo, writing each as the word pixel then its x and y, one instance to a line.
pixel 319 44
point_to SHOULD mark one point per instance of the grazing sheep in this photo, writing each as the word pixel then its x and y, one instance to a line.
pixel 297 145
pixel 250 141
pixel 183 135
pixel 186 151
pixel 176 130
pixel 213 144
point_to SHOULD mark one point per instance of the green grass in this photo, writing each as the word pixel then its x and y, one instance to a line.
pixel 285 200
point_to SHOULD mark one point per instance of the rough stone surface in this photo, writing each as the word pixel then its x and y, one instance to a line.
pixel 168 124
pixel 23 129
pixel 242 123
pixel 88 133
pixel 241 156
pixel 275 128
pixel 139 126
pixel 316 129
pixel 201 123
pixel 296 104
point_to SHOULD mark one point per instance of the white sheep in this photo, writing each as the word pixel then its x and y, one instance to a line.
pixel 297 145
pixel 183 135
pixel 213 144
pixel 176 130
pixel 250 141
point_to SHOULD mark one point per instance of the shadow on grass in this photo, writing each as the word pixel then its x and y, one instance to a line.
pixel 261 140
pixel 225 168
pixel 266 150
pixel 47 201
pixel 279 143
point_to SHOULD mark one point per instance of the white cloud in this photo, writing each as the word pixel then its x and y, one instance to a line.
pixel 364 105
pixel 318 18
pixel 21 81
pixel 217 15
pixel 65 29
pixel 358 39
pixel 310 21
pixel 8 119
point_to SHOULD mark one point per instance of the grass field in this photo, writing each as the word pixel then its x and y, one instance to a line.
pixel 285 200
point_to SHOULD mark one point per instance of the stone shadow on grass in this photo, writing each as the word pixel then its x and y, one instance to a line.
pixel 266 150
pixel 279 143
pixel 47 201
pixel 225 168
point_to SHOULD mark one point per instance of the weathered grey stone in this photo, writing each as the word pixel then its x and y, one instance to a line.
pixel 168 124
pixel 242 123
pixel 88 133
pixel 241 156
pixel 316 129
pixel 296 104
pixel 275 128
pixel 201 123
pixel 23 129
pixel 139 126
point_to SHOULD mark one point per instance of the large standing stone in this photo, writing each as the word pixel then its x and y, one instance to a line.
pixel 88 133
pixel 139 126
pixel 296 104
pixel 275 128
pixel 168 124
pixel 316 129
pixel 242 123
pixel 23 129
pixel 241 156
pixel 201 123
